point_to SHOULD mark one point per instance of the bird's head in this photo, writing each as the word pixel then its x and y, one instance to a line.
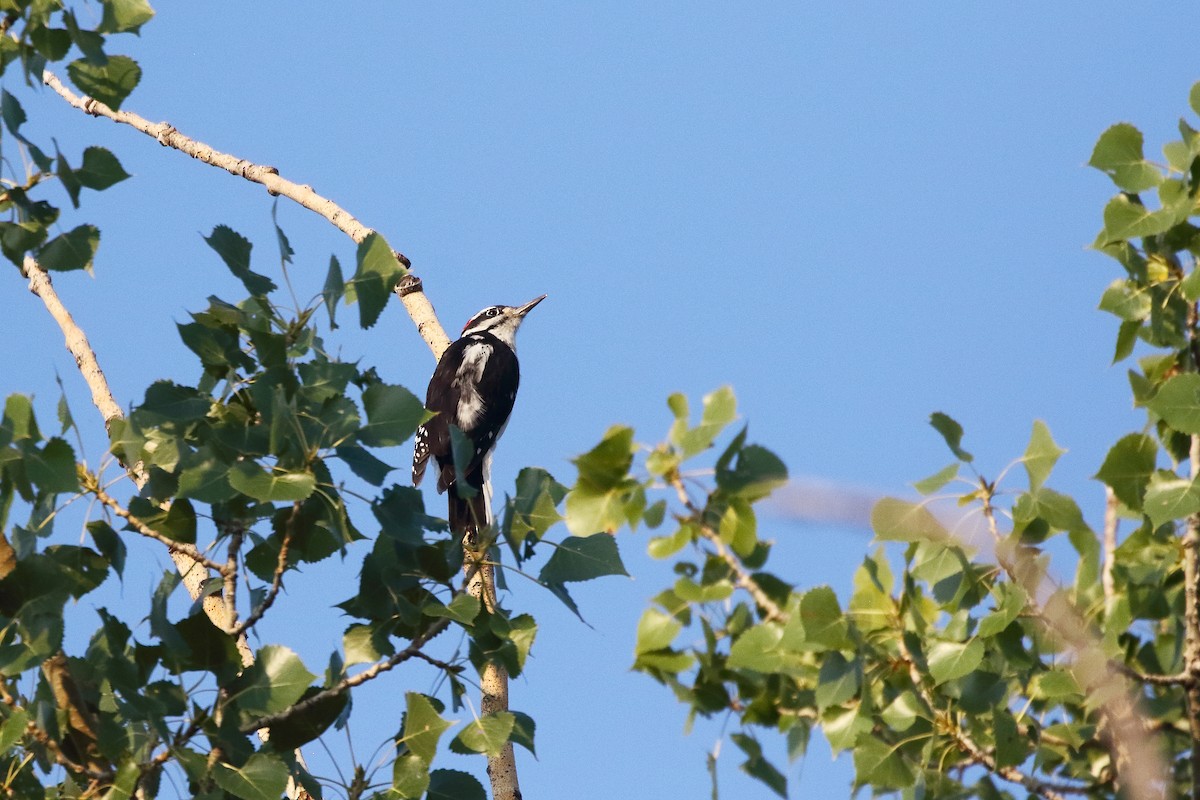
pixel 500 321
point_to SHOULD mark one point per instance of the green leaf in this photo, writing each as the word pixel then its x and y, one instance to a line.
pixel 364 644
pixel 204 477
pixel 1124 219
pixel 448 784
pixel 1194 98
pixel 881 766
pixel 899 520
pixel 590 511
pixel 487 734
pixel 13 729
pixel 52 43
pixel 952 432
pixel 1127 300
pixel 423 726
pixel 1011 747
pixel 74 249
pixel 937 480
pixel 655 631
pixel 410 776
pixel 125 15
pixel 1119 154
pixel 582 559
pixel 18 423
pixel 757 649
pixel 1128 466
pixel 275 680
pixel 262 777
pixel 1056 684
pixel 249 479
pixel 607 464
pixel 52 469
pixel 1127 335
pixel 950 660
pixel 1040 455
pixel 1169 498
pixel 838 680
pixel 758 767
pixel 902 712
pixel 377 275
pixel 1178 402
pixel 757 473
pixel 234 250
pixel 11 111
pixel 335 288
pixel 720 409
pixel 364 464
pixel 393 415
pixel 462 609
pixel 822 618
pixel 110 83
pixel 1010 607
pixel 100 169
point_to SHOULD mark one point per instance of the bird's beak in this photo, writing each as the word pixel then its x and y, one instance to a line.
pixel 521 311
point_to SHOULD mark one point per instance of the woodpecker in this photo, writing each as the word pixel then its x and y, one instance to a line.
pixel 473 388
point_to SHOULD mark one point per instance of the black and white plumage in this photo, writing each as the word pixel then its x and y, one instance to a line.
pixel 473 388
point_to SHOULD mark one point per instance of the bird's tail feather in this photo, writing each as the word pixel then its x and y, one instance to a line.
pixel 468 516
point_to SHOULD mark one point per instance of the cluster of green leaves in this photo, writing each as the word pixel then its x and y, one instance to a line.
pixel 251 461
pixel 37 33
pixel 943 672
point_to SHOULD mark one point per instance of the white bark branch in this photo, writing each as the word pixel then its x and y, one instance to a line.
pixel 415 302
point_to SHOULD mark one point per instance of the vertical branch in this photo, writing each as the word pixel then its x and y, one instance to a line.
pixel 1191 621
pixel 1110 542
pixel 480 573
pixel 493 679
pixel 193 572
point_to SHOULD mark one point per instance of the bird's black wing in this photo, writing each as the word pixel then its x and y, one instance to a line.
pixel 433 438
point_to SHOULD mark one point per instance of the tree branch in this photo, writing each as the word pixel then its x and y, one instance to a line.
pixel 1139 768
pixel 276 579
pixel 742 577
pixel 75 340
pixel 1110 542
pixel 138 524
pixel 380 667
pixel 1191 620
pixel 493 678
pixel 415 302
pixel 962 739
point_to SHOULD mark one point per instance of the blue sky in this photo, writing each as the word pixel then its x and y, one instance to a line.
pixel 855 214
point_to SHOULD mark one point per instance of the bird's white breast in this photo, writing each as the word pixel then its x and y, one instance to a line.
pixel 467 377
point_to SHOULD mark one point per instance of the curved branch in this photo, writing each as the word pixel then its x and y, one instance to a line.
pixel 139 525
pixel 75 340
pixel 412 651
pixel 415 302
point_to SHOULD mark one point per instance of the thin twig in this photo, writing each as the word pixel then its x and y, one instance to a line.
pixel 415 302
pixel 380 667
pixel 742 577
pixel 276 579
pixel 963 740
pixel 229 590
pixel 140 525
pixel 1110 543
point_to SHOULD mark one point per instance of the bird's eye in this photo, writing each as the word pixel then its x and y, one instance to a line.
pixel 493 312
